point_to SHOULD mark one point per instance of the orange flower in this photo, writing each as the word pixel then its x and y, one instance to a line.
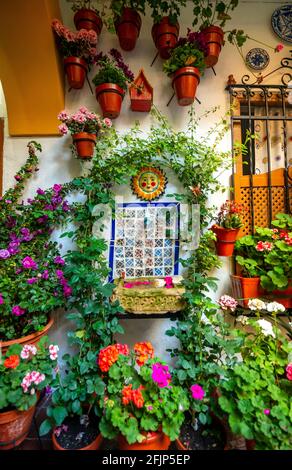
pixel 137 397
pixel 11 362
pixel 143 351
pixel 127 394
pixel 107 357
pixel 123 349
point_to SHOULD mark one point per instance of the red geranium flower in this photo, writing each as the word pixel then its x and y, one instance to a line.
pixel 12 361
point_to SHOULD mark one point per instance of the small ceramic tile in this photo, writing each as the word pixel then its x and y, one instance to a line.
pixel 130 272
pixel 168 271
pixel 168 252
pixel 168 242
pixel 149 272
pixel 158 242
pixel 167 261
pixel 139 263
pixel 158 272
pixel 158 262
pixel 158 252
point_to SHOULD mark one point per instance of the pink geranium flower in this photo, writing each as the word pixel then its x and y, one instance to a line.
pixel 227 303
pixel 29 263
pixel 267 411
pixel 279 47
pixel 17 310
pixel 289 371
pixel 160 375
pixel 198 392
pixel 264 246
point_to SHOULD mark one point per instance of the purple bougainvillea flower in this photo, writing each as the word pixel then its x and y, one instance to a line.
pixel 43 219
pixel 198 392
pixel 18 311
pixel 45 274
pixel 17 177
pixel 32 280
pixel 49 207
pixel 29 263
pixel 160 375
pixel 13 248
pixel 65 206
pixel 40 191
pixel 4 254
pixel 59 273
pixel 1 300
pixel 57 188
pixel 59 260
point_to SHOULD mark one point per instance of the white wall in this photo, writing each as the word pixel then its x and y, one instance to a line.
pixel 57 164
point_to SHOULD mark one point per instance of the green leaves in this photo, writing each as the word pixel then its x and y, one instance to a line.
pixel 59 413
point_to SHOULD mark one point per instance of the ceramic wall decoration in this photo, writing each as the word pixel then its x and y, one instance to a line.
pixel 282 22
pixel 257 58
pixel 149 183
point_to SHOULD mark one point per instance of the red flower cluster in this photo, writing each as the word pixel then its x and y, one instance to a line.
pixel 135 396
pixel 264 246
pixel 232 207
pixel 11 362
pixel 144 351
pixel 109 355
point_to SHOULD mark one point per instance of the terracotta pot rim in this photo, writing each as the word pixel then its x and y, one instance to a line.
pixel 188 70
pixel 87 135
pixel 57 446
pixel 136 18
pixel 213 29
pixel 8 416
pixel 111 87
pixel 26 339
pixel 72 60
pixel 218 227
pixel 243 277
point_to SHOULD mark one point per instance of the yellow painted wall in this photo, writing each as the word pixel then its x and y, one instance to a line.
pixel 30 68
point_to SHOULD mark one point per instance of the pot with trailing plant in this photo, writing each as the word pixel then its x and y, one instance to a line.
pixel 256 397
pixel 212 18
pixel 84 126
pixel 165 29
pixel 86 16
pixel 229 222
pixel 141 406
pixel 126 21
pixel 25 370
pixel 111 82
pixel 78 49
pixel 185 66
pixel 202 360
pixel 32 283
pixel 264 260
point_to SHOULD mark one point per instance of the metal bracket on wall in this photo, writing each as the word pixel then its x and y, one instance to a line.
pixel 286 63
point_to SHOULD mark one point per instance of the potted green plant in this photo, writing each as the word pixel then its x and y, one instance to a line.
pixel 31 281
pixel 25 370
pixel 78 49
pixel 84 126
pixel 256 396
pixel 212 17
pixel 126 21
pixel 111 82
pixel 86 16
pixel 185 66
pixel 265 257
pixel 142 407
pixel 165 29
pixel 229 222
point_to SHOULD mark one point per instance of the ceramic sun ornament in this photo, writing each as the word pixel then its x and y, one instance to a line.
pixel 149 183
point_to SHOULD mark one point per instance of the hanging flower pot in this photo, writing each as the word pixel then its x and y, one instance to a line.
pixel 214 38
pixel 84 144
pixel 165 36
pixel 14 427
pixel 76 70
pixel 153 441
pixel 185 81
pixel 128 27
pixel 110 97
pixel 88 19
pixel 226 239
pixel 245 288
pixel 29 339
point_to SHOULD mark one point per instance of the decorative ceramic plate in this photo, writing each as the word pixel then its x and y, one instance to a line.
pixel 257 58
pixel 282 22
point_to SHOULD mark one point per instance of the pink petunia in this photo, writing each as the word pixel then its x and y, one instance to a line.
pixel 198 392
pixel 18 311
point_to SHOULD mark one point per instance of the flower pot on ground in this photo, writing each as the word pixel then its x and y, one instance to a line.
pixel 14 427
pixel 153 441
pixel 77 433
pixel 78 49
pixel 111 82
pixel 165 36
pixel 86 18
pixel 245 288
pixel 32 339
pixel 84 126
pixel 214 39
pixel 128 27
pixel 227 228
pixel 76 70
pixel 25 370
pixel 283 297
pixel 185 66
pixel 150 411
pixel 110 97
pixel 198 437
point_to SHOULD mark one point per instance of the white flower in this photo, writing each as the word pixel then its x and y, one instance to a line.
pixel 275 307
pixel 266 327
pixel 27 350
pixel 256 304
pixel 53 352
pixel 242 319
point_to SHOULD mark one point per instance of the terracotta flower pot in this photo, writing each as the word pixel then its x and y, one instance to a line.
pixel 110 97
pixel 93 446
pixel 76 70
pixel 283 297
pixel 165 36
pixel 179 445
pixel 84 143
pixel 245 288
pixel 14 427
pixel 226 239
pixel 185 81
pixel 214 38
pixel 128 28
pixel 88 19
pixel 29 339
pixel 154 441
